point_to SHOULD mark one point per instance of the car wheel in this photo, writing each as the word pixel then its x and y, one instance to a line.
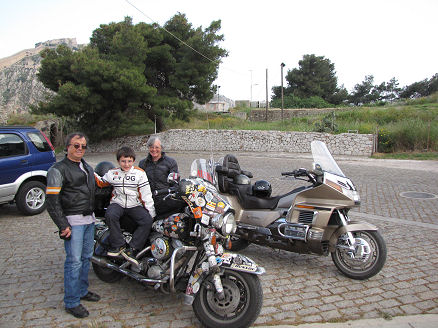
pixel 31 198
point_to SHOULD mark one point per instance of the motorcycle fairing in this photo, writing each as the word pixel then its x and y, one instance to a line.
pixel 351 227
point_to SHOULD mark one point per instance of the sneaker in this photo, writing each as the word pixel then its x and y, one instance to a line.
pixel 129 255
pixel 115 251
pixel 91 297
pixel 79 311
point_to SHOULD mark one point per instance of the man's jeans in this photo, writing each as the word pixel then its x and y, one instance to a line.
pixel 79 250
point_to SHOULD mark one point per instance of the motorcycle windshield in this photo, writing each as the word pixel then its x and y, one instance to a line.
pixel 203 169
pixel 323 158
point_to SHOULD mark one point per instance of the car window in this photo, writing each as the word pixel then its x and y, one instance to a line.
pixel 11 145
pixel 39 141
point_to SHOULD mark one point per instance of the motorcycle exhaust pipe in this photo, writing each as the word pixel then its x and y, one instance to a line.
pixel 134 275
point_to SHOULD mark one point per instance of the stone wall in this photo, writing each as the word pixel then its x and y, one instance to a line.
pixel 247 140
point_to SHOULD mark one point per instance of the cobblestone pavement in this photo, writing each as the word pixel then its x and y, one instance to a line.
pixel 297 288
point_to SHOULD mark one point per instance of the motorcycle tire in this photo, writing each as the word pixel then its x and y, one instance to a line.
pixel 238 244
pixel 106 274
pixel 357 268
pixel 241 306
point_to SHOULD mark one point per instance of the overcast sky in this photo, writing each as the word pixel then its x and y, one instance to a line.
pixel 384 38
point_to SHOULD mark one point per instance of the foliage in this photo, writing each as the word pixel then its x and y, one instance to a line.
pixel 292 101
pixel 407 155
pixel 27 119
pixel 315 77
pixel 423 88
pixel 385 142
pixel 368 93
pixel 327 124
pixel 128 68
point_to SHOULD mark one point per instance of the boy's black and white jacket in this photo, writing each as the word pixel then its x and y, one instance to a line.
pixel 131 188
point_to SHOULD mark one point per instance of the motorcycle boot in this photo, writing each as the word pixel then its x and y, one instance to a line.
pixel 115 251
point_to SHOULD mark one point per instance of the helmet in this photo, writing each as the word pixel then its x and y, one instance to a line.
pixel 262 188
pixel 103 167
pixel 242 179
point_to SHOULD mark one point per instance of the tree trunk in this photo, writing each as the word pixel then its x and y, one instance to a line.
pixel 159 124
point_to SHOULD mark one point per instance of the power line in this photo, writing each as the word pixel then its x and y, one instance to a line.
pixel 183 42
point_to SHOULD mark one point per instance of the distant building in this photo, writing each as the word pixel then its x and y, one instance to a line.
pixel 215 105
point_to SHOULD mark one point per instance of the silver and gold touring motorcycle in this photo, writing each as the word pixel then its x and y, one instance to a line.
pixel 185 253
pixel 309 219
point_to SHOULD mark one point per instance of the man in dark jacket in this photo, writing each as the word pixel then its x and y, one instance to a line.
pixel 70 202
pixel 157 166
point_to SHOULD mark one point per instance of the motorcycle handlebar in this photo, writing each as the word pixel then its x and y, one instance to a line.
pixel 296 173
pixel 164 191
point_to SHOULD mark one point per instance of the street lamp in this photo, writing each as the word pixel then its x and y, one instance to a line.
pixel 282 96
pixel 217 108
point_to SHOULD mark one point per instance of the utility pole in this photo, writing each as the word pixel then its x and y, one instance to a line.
pixel 282 96
pixel 267 103
pixel 250 99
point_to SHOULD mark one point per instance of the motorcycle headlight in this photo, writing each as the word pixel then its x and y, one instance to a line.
pixel 229 224
pixel 218 221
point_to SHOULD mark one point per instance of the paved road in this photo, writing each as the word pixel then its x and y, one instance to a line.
pixel 297 288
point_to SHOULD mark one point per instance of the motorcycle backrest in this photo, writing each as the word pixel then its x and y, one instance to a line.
pixel 228 172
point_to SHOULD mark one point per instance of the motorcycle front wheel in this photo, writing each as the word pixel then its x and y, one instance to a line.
pixel 367 259
pixel 240 307
pixel 237 244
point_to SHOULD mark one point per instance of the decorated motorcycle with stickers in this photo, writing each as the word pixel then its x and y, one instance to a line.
pixel 185 254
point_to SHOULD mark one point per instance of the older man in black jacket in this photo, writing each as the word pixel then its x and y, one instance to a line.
pixel 157 166
pixel 70 202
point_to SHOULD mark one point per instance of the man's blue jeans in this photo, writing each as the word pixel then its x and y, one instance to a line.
pixel 79 250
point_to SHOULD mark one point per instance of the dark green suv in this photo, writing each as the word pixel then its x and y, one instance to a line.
pixel 25 156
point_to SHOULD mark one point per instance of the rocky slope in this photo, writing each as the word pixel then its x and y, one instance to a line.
pixel 19 85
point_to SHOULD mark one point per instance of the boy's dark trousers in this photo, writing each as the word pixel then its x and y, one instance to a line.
pixel 139 215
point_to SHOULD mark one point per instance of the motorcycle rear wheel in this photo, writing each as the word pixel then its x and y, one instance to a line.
pixel 361 268
pixel 241 306
pixel 106 274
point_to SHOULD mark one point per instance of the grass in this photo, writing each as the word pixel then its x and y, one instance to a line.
pixel 403 155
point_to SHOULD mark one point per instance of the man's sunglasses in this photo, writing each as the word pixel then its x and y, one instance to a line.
pixel 77 146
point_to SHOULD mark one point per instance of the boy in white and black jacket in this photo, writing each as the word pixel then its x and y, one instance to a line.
pixel 132 196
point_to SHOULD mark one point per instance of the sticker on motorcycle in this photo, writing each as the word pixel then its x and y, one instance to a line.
pixel 208 196
pixel 195 287
pixel 244 267
pixel 227 258
pixel 197 212
pixel 210 206
pixel 200 201
pixel 205 219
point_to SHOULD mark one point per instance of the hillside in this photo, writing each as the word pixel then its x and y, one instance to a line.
pixel 19 85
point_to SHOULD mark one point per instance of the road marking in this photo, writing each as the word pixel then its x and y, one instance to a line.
pixel 395 220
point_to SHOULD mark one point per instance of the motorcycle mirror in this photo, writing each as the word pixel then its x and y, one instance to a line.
pixel 316 167
pixel 173 178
